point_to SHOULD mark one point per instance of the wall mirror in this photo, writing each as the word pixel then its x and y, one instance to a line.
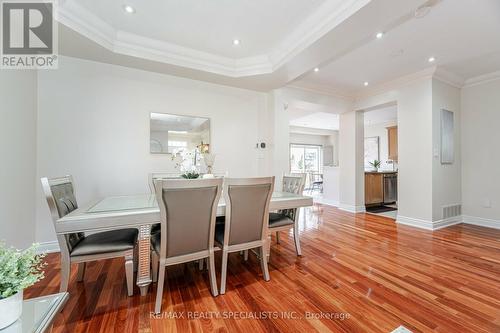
pixel 170 134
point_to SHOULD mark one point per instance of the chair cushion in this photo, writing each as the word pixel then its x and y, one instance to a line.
pixel 279 220
pixel 219 232
pixel 105 242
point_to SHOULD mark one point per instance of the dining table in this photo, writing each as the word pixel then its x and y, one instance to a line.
pixel 141 212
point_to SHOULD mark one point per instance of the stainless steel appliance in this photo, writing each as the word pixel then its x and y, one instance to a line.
pixel 390 188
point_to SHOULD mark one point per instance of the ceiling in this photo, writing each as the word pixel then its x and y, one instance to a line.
pixel 208 26
pixel 380 116
pixel 462 35
pixel 317 120
pixel 282 41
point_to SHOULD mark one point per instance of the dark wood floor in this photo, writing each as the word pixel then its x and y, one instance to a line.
pixel 361 273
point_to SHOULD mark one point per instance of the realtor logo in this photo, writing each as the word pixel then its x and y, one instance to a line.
pixel 29 39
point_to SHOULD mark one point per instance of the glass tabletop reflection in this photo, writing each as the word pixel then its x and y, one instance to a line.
pixel 148 201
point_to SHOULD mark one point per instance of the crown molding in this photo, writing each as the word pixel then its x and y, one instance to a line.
pixel 326 17
pixel 477 80
pixel 448 77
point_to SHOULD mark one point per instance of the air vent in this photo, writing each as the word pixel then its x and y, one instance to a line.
pixel 451 211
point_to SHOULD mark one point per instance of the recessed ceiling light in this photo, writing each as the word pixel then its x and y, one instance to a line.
pixel 379 35
pixel 432 59
pixel 129 9
pixel 316 69
pixel 236 42
pixel 366 83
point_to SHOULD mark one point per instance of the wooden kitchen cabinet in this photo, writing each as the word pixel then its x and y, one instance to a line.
pixel 374 188
pixel 392 135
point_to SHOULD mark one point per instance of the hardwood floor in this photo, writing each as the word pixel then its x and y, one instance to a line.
pixel 358 273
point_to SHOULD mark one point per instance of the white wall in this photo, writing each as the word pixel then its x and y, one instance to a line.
pixel 18 157
pixel 93 123
pixel 446 178
pixel 380 130
pixel 351 162
pixel 481 153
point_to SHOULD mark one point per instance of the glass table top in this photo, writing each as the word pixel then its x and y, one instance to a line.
pixel 37 314
pixel 148 201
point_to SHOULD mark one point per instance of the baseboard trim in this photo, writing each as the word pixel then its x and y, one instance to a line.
pixel 480 221
pixel 327 202
pixel 428 225
pixel 48 247
pixel 351 208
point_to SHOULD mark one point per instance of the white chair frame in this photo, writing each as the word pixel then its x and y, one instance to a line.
pixel 261 243
pixel 66 259
pixel 295 225
pixel 160 263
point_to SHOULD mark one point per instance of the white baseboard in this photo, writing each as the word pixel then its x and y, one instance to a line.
pixel 48 247
pixel 352 208
pixel 480 221
pixel 428 225
pixel 328 202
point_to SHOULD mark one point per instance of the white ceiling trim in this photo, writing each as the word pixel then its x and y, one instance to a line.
pixel 474 81
pixel 448 77
pixel 325 18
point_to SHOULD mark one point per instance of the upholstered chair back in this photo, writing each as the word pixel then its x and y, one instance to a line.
pixel 188 211
pixel 247 209
pixel 61 199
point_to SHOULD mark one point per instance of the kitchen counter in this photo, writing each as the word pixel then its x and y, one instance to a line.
pixel 380 172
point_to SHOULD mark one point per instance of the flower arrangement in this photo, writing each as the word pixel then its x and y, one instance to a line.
pixel 190 175
pixel 19 269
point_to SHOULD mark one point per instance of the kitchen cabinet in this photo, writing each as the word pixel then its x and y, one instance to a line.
pixel 392 136
pixel 374 188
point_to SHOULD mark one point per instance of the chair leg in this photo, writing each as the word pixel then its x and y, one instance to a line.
pixel 223 272
pixel 159 288
pixel 200 264
pixel 65 272
pixel 129 273
pixel 263 262
pixel 297 240
pixel 211 274
pixel 81 272
pixel 277 237
pixel 245 255
pixel 154 265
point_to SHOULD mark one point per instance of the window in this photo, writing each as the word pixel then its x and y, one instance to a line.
pixel 306 158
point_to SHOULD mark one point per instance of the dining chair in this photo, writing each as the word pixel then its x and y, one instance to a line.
pixel 80 248
pixel 247 214
pixel 153 176
pixel 316 182
pixel 187 213
pixel 287 219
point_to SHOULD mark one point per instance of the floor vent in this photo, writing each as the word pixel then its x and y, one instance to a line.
pixel 451 211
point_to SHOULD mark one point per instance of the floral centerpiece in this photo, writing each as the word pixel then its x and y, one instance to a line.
pixel 187 161
pixel 18 270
